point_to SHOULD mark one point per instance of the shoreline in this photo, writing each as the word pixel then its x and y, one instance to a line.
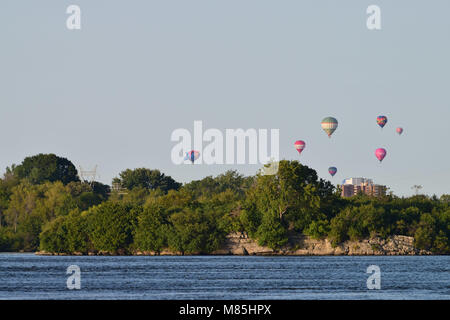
pixel 47 254
pixel 237 244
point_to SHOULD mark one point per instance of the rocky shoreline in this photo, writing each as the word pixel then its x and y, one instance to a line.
pixel 306 246
pixel 298 245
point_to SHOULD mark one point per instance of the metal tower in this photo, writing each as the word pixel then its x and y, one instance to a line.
pixel 88 175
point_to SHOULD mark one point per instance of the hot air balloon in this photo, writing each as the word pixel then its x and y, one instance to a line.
pixel 332 171
pixel 399 130
pixel 380 153
pixel 192 156
pixel 329 125
pixel 300 145
pixel 382 120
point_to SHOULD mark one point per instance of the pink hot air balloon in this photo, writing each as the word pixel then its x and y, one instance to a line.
pixel 300 145
pixel 380 153
pixel 399 130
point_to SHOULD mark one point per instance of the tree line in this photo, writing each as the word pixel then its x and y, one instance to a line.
pixel 45 206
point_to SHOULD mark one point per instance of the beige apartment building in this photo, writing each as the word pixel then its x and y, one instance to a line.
pixel 353 186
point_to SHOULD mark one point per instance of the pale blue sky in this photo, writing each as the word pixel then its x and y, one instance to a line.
pixel 112 93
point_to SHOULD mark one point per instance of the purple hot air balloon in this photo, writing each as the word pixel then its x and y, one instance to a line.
pixel 382 120
pixel 380 153
pixel 332 171
pixel 399 130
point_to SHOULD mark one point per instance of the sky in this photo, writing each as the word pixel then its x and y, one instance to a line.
pixel 112 93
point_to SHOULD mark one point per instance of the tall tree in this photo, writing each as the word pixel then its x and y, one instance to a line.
pixel 151 232
pixel 295 191
pixel 148 179
pixel 111 226
pixel 46 167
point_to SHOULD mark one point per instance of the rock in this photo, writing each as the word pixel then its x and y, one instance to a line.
pixel 304 245
pixel 239 244
pixel 44 253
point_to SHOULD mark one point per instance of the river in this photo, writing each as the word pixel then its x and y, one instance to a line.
pixel 27 276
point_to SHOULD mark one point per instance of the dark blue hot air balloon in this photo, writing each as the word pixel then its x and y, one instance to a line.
pixel 332 171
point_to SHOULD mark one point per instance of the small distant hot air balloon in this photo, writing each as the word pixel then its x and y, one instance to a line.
pixel 329 125
pixel 380 153
pixel 192 156
pixel 399 130
pixel 300 145
pixel 382 120
pixel 332 171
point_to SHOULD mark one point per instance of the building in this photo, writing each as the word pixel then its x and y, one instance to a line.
pixel 357 181
pixel 354 186
pixel 376 190
pixel 347 190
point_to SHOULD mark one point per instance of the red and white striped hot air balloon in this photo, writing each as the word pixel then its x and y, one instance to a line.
pixel 300 145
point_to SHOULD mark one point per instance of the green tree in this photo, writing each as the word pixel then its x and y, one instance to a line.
pixel 53 237
pixel 55 200
pixel 425 233
pixel 195 231
pixel 87 195
pixel 111 226
pixel 271 233
pixel 294 193
pixel 152 229
pixel 318 229
pixel 22 203
pixel 147 179
pixel 230 180
pixel 6 240
pixel 441 243
pixel 250 220
pixel 445 198
pixel 77 226
pixel 46 167
pixel 338 230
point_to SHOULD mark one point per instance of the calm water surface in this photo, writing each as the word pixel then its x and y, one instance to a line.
pixel 27 276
